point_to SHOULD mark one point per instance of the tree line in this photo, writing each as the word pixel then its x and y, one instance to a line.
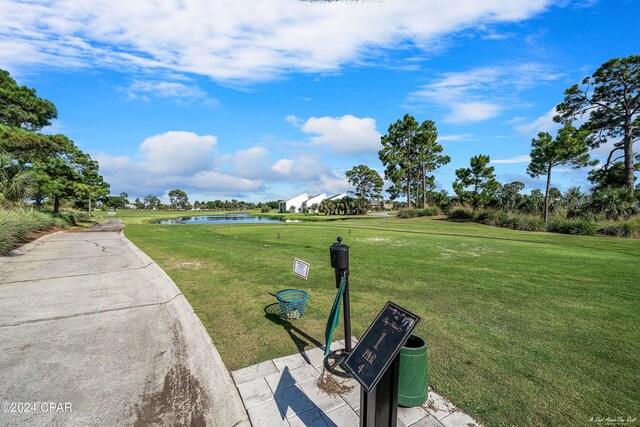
pixel 45 168
pixel 604 108
pixel 179 200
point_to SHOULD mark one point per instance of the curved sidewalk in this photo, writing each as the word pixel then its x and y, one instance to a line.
pixel 94 333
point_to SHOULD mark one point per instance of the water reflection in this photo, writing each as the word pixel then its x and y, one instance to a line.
pixel 236 218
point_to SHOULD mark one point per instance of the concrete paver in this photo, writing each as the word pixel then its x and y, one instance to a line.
pixel 311 418
pixel 458 418
pixel 429 421
pixel 89 321
pixel 344 416
pixel 292 401
pixel 300 402
pixel 412 415
pixel 352 397
pixel 315 357
pixel 438 406
pixel 252 372
pixel 324 401
pixel 299 375
pixel 267 414
pixel 291 362
pixel 255 392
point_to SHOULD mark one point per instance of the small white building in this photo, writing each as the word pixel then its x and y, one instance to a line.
pixel 338 196
pixel 296 203
pixel 313 200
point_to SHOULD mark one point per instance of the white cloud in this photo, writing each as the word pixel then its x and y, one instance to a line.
pixel 334 182
pixel 455 137
pixel 481 93
pixel 302 168
pixel 497 36
pixel 602 152
pixel 346 134
pixel 544 123
pixel 174 159
pixel 178 152
pixel 293 120
pixel 144 89
pixel 214 182
pixel 233 40
pixel 524 158
pixel 283 166
pixel 190 162
pixel 466 112
pixel 252 162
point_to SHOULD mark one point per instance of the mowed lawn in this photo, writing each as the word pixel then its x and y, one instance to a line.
pixel 523 328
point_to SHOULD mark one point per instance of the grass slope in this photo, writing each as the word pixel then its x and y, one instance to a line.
pixel 523 328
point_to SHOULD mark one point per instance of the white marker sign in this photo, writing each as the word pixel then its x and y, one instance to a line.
pixel 300 268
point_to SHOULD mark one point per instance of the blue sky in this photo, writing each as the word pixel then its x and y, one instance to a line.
pixel 262 100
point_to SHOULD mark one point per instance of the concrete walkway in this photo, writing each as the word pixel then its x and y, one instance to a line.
pixel 284 393
pixel 94 333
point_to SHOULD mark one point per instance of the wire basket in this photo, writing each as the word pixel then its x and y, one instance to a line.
pixel 293 303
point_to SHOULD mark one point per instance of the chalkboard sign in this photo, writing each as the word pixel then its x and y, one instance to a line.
pixel 380 345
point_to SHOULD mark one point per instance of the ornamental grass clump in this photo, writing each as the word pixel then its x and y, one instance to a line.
pixel 628 228
pixel 572 226
pixel 513 221
pixel 414 213
pixel 16 226
pixel 460 211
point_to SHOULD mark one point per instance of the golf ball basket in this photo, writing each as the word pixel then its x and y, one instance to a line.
pixel 293 303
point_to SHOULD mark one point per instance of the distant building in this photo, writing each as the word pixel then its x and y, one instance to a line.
pixel 383 205
pixel 338 196
pixel 313 200
pixel 294 204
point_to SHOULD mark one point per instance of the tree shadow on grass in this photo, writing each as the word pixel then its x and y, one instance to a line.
pixel 300 338
pixel 447 219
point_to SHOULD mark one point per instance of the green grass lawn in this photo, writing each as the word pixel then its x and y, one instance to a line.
pixel 523 328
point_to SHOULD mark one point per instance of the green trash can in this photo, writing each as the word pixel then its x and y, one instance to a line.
pixel 412 385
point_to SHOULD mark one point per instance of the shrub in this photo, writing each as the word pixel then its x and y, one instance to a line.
pixel 413 213
pixel 459 211
pixel 526 223
pixel 493 218
pixel 572 226
pixel 17 226
pixel 513 221
pixel 610 204
pixel 406 213
pixel 628 228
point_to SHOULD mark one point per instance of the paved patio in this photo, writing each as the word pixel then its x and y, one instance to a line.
pixel 283 392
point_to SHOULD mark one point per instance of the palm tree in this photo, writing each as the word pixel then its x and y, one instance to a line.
pixel 345 205
pixel 327 207
pixel 573 198
pixel 362 206
pixel 16 182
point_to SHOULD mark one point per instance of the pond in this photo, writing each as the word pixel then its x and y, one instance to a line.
pixel 235 218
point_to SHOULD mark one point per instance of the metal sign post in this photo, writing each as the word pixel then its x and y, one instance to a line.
pixel 375 362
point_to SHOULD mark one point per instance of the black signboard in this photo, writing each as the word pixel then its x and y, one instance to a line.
pixel 380 345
